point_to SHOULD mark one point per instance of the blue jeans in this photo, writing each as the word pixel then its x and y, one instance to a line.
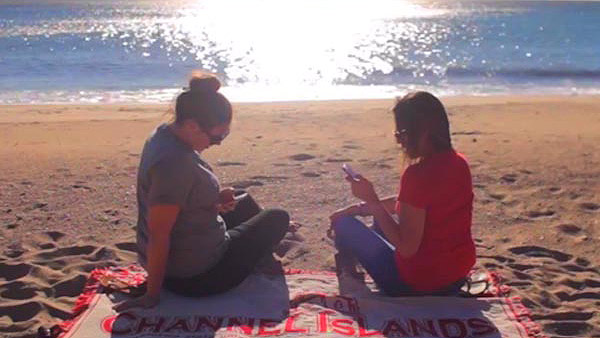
pixel 377 256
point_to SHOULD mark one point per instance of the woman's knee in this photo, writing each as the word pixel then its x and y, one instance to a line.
pixel 278 221
pixel 345 225
pixel 347 230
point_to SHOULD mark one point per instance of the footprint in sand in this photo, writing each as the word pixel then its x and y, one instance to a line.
pixel 519 283
pixel 592 283
pixel 573 284
pixel 555 190
pixel 569 229
pixel 81 186
pixel 338 160
pixel 549 300
pixel 269 178
pixel 57 312
pixel 467 132
pixel 582 261
pixel 246 184
pixel 11 272
pixel 567 324
pixel 229 164
pixel 529 303
pixel 522 276
pixel 127 246
pixel 573 267
pixel 497 196
pixel 46 246
pixel 492 266
pixel 302 157
pixel 17 290
pixel 590 206
pixel 70 287
pixel 56 264
pixel 498 258
pixel 68 251
pixel 14 250
pixel 568 328
pixel 383 166
pixel 103 254
pixel 21 312
pixel 11 225
pixel 86 267
pixel 536 251
pixel 508 178
pixel 568 297
pixel 540 214
pixel 521 267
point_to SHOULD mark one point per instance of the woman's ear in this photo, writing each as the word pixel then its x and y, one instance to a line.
pixel 190 125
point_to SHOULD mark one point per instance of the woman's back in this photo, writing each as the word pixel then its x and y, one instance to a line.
pixel 172 173
pixel 440 184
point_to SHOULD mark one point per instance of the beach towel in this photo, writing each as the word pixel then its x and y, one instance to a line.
pixel 298 303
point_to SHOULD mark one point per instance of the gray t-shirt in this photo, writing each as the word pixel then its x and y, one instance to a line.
pixel 171 172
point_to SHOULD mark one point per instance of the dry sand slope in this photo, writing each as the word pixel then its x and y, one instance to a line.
pixel 67 196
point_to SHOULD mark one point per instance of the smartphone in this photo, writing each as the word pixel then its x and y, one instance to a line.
pixel 239 197
pixel 348 170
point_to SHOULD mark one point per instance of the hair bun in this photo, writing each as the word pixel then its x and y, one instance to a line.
pixel 204 83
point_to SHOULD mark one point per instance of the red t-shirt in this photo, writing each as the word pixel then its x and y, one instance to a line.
pixel 440 184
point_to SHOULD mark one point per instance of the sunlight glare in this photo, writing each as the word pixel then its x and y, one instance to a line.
pixel 278 42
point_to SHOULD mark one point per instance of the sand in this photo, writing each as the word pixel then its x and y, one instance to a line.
pixel 67 192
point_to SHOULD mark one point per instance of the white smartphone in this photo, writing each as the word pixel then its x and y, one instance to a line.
pixel 348 170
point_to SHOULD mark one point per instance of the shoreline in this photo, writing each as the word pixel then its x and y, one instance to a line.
pixel 47 111
pixel 67 202
pixel 383 95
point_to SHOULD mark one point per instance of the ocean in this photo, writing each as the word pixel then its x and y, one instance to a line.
pixel 273 50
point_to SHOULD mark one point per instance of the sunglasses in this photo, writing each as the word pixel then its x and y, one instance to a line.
pixel 217 139
pixel 401 134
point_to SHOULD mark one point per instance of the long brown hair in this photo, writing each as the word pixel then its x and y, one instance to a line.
pixel 203 103
pixel 421 112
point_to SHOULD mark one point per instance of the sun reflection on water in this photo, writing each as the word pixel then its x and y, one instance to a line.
pixel 291 49
pixel 299 42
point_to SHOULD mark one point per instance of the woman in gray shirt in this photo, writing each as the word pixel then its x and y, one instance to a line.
pixel 183 242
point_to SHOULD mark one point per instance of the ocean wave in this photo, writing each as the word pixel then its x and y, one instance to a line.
pixel 561 73
pixel 253 93
pixel 438 75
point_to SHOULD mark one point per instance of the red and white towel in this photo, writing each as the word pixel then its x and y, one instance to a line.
pixel 297 304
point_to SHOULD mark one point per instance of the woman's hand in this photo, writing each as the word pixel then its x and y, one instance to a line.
pixel 146 301
pixel 227 200
pixel 226 207
pixel 362 189
pixel 226 195
pixel 351 210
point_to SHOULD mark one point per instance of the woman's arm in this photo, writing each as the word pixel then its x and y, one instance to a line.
pixel 389 203
pixel 361 209
pixel 405 234
pixel 160 223
pixel 161 219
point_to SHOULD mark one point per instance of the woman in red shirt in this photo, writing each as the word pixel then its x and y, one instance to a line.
pixel 421 241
